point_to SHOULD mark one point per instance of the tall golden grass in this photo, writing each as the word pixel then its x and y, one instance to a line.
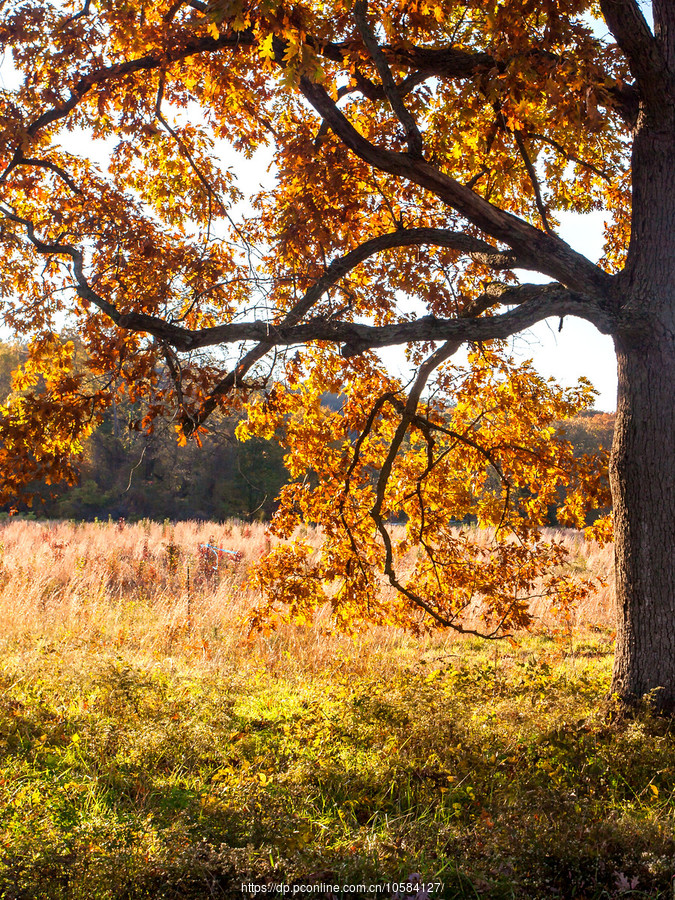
pixel 154 589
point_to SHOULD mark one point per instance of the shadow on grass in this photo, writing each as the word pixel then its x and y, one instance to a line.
pixel 495 778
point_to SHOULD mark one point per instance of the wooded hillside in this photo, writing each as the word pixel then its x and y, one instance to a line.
pixel 127 473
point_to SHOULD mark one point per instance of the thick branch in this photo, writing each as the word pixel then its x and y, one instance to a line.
pixel 541 252
pixel 21 160
pixel 446 62
pixel 474 247
pixel 631 31
pixel 664 29
pixel 58 249
pixel 424 62
pixel 453 64
pixel 542 302
pixel 477 249
pixel 536 302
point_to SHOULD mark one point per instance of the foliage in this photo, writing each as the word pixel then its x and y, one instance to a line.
pixel 421 155
pixel 481 458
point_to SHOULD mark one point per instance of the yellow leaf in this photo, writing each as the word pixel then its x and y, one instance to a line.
pixel 265 51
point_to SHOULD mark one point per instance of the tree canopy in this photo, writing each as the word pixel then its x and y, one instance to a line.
pixel 422 153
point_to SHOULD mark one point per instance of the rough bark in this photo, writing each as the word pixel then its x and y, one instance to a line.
pixel 643 487
pixel 643 458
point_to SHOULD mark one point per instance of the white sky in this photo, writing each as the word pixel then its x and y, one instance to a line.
pixel 578 349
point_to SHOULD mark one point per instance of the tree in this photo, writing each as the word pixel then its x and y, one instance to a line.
pixel 420 149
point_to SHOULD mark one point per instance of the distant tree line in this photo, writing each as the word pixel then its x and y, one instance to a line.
pixel 125 473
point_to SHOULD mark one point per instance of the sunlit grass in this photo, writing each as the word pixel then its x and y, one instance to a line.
pixel 151 748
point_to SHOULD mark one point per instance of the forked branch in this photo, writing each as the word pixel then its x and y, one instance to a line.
pixel 542 252
pixel 535 302
pixel 644 52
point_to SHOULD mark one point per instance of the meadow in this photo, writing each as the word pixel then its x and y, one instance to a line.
pixel 152 747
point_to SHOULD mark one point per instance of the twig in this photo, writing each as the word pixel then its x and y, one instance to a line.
pixel 533 178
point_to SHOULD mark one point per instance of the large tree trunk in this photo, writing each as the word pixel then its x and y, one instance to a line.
pixel 643 487
pixel 643 456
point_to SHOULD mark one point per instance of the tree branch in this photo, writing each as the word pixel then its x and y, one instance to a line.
pixel 83 12
pixel 428 366
pixel 522 149
pixel 85 83
pixel 541 252
pixel 425 62
pixel 535 302
pixel 664 29
pixel 568 154
pixel 632 33
pixel 543 302
pixel 20 160
pixel 412 132
pixel 478 250
pixel 408 409
pixel 453 64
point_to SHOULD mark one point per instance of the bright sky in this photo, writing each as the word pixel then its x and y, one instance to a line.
pixel 578 349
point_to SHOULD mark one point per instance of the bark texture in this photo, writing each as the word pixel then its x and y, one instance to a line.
pixel 643 458
pixel 643 487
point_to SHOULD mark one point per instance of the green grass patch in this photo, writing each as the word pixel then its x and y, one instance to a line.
pixel 500 773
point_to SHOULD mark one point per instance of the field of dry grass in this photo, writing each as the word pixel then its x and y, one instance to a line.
pixel 157 589
pixel 147 585
pixel 150 747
